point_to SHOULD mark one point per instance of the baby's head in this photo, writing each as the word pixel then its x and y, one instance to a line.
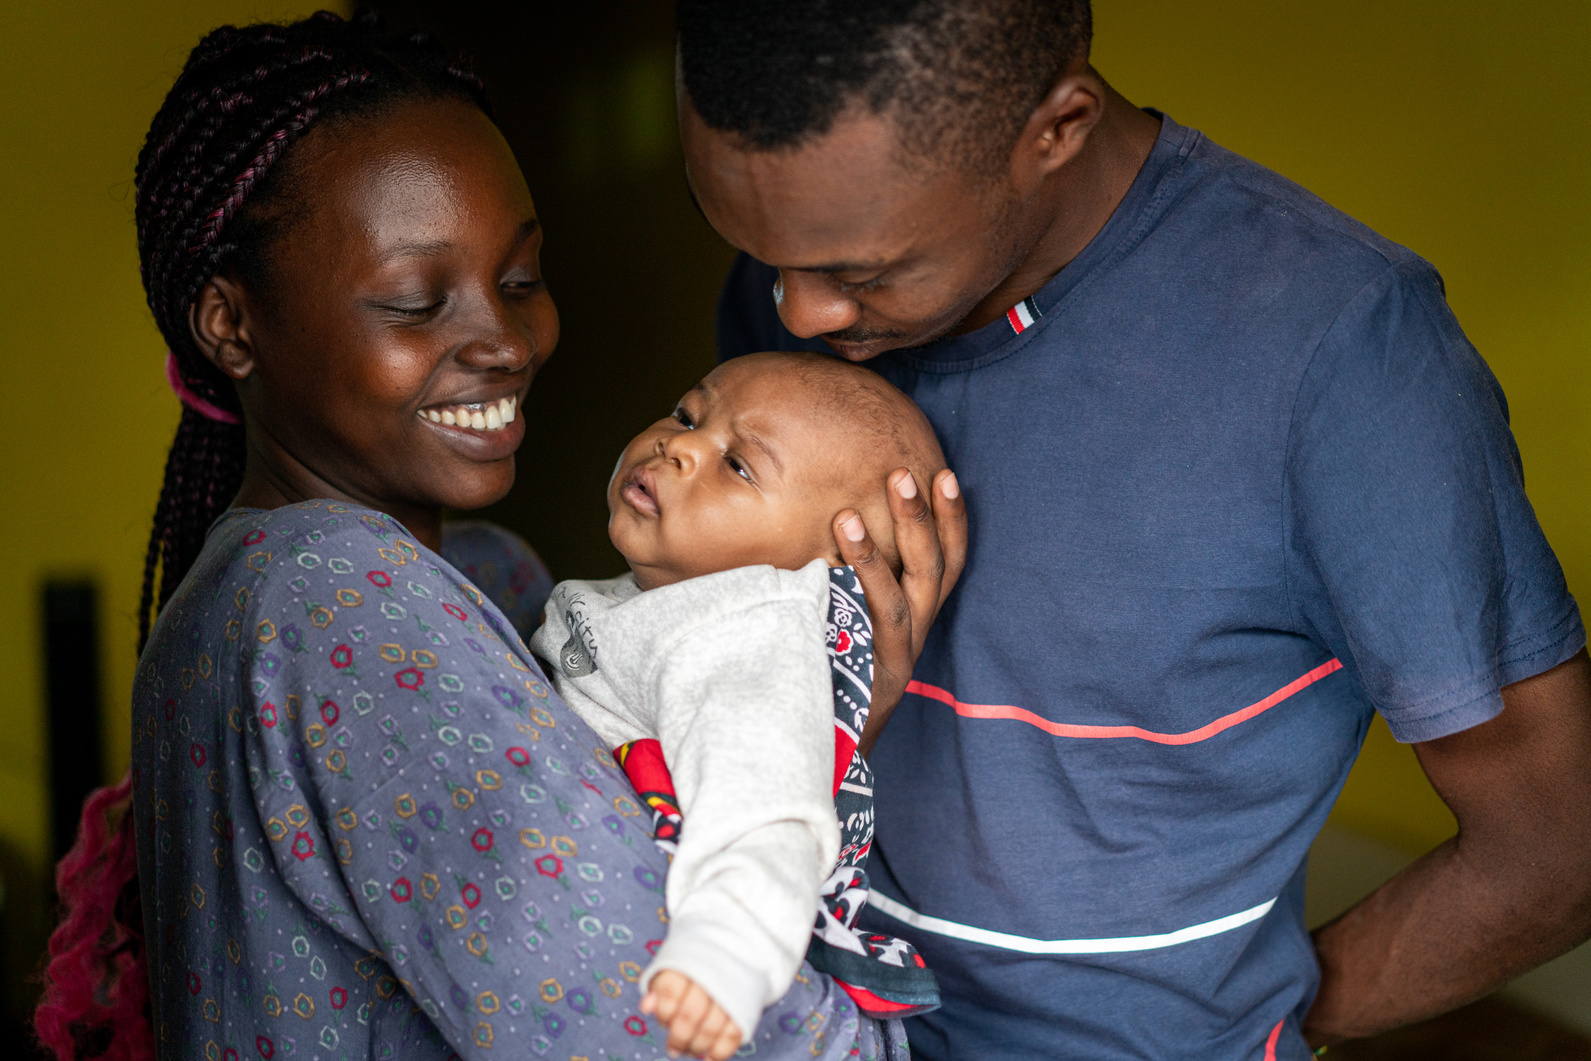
pixel 756 462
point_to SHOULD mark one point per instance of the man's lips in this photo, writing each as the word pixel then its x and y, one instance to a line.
pixel 640 491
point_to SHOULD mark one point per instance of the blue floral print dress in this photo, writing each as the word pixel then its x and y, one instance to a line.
pixel 368 829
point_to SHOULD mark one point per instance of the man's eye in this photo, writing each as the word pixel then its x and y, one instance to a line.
pixel 739 469
pixel 684 419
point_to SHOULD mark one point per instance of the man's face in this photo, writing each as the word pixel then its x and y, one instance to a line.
pixel 873 254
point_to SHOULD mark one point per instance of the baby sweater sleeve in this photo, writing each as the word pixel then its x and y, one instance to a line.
pixel 744 714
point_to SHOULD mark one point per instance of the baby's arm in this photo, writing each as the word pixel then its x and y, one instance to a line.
pixel 746 723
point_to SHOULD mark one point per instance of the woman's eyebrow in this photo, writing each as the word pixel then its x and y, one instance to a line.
pixel 415 249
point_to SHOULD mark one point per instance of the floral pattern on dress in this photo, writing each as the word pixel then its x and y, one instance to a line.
pixel 368 828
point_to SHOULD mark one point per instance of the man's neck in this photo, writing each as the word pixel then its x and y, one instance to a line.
pixel 1076 202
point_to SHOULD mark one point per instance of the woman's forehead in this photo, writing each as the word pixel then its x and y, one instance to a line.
pixel 414 174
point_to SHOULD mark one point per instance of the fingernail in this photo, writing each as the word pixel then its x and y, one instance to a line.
pixel 853 528
pixel 907 487
pixel 951 488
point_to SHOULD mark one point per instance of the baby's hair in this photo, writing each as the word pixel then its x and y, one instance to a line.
pixel 210 167
pixel 894 431
pixel 205 177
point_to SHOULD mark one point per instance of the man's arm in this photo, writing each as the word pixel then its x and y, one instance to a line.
pixel 1510 891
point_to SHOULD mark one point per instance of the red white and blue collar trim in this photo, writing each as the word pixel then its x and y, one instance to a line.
pixel 1023 315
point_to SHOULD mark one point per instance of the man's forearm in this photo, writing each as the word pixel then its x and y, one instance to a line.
pixel 1510 891
pixel 1452 927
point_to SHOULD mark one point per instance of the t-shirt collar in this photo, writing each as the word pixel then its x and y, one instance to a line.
pixel 1125 225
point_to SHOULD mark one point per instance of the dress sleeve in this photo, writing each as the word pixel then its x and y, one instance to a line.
pixel 746 723
pixel 1413 552
pixel 428 798
pixel 503 566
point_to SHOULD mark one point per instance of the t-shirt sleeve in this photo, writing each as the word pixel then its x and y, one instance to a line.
pixel 1413 552
pixel 748 321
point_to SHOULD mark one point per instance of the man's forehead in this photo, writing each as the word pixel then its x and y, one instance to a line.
pixel 841 202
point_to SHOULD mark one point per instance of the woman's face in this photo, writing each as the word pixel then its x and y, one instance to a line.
pixel 403 316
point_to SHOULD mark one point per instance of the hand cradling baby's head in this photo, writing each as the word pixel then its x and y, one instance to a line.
pixel 755 463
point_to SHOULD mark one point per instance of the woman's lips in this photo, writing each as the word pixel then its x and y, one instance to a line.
pixel 640 492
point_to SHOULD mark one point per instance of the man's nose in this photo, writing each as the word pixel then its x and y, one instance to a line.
pixel 811 304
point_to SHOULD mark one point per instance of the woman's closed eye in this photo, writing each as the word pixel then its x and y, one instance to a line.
pixel 416 309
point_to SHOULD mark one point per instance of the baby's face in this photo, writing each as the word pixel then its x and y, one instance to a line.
pixel 745 472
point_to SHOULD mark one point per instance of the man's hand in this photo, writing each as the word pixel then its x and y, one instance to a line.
pixel 696 1025
pixel 1510 891
pixel 931 537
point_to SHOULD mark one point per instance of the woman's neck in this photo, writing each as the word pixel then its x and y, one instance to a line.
pixel 273 477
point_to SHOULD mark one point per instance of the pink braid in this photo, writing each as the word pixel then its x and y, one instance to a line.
pixel 97 981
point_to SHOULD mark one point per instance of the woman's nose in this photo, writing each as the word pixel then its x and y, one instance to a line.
pixel 811 305
pixel 499 343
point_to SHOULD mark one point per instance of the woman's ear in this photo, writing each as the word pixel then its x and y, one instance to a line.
pixel 219 323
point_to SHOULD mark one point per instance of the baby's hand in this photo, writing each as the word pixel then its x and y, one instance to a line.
pixel 696 1024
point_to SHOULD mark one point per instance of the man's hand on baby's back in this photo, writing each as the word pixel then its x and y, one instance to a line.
pixel 931 537
pixel 696 1024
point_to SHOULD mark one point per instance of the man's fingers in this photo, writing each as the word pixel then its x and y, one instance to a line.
pixel 922 559
pixel 950 521
pixel 708 1031
pixel 886 603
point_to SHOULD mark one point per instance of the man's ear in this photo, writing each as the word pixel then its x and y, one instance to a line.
pixel 219 323
pixel 1059 126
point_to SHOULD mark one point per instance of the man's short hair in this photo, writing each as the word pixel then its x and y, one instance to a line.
pixel 959 77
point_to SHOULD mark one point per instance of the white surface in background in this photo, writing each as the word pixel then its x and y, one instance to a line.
pixel 1344 867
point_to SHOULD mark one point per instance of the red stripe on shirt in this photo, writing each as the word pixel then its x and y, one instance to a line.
pixel 1066 729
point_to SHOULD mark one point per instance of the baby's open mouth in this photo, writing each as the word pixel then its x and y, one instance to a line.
pixel 478 416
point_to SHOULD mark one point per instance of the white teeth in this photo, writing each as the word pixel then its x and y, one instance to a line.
pixel 491 416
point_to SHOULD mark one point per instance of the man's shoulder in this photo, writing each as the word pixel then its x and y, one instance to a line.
pixel 1256 219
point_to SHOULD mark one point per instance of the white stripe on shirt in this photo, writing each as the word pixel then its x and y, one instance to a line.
pixel 1117 945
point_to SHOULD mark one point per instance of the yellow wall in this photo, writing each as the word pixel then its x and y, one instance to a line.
pixel 83 444
pixel 1455 128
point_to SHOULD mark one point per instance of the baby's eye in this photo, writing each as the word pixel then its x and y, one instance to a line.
pixel 684 419
pixel 739 469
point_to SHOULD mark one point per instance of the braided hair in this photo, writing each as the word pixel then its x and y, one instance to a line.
pixel 207 172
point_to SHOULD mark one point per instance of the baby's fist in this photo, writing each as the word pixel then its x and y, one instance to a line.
pixel 696 1024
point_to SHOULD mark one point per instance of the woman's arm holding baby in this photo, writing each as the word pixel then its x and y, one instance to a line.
pixel 931 536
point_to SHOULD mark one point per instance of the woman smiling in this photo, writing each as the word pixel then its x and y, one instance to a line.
pixel 364 825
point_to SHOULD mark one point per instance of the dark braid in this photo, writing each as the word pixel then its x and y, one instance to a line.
pixel 205 174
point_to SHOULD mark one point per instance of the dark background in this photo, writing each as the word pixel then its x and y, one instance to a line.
pixel 584 92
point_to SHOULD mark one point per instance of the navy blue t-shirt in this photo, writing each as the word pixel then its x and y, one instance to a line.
pixel 1235 480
